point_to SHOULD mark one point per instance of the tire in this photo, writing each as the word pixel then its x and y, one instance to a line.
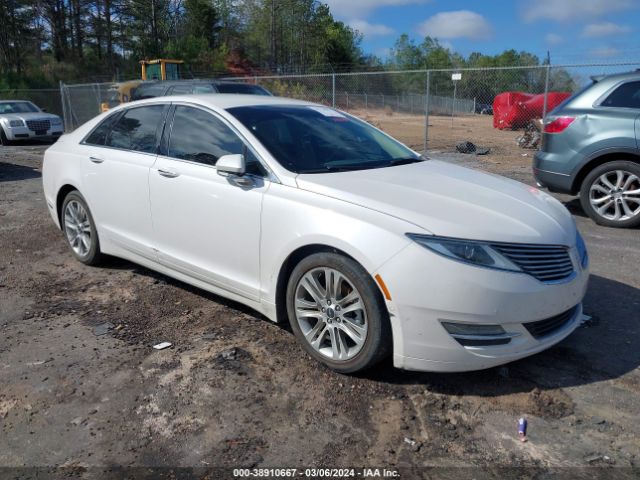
pixel 361 334
pixel 3 138
pixel 75 216
pixel 613 190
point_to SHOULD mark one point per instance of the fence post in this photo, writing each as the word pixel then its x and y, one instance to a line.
pixel 333 90
pixel 366 102
pixel 546 94
pixel 64 107
pixel 347 94
pixel 426 113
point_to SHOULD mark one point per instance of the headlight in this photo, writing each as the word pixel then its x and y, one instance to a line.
pixel 467 251
pixel 16 123
pixel 582 250
pixel 56 121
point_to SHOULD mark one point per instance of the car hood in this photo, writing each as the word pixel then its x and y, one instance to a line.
pixel 452 201
pixel 28 116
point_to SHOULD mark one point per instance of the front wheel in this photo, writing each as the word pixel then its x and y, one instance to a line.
pixel 337 313
pixel 610 194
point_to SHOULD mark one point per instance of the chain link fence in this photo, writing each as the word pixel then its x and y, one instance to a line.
pixel 499 109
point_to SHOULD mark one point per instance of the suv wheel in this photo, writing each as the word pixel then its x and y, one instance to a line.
pixel 610 194
pixel 337 313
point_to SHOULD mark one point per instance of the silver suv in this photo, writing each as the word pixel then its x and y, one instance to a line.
pixel 591 147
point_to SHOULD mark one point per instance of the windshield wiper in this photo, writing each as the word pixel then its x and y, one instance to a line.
pixel 404 161
pixel 353 166
pixel 346 167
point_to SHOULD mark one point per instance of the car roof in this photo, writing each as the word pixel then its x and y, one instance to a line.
pixel 171 83
pixel 223 100
pixel 634 75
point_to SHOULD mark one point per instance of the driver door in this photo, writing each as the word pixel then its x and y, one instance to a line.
pixel 206 226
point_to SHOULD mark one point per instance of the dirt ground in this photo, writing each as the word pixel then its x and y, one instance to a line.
pixel 236 390
pixel 444 133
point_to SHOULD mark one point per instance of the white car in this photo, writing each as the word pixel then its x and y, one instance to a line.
pixel 22 120
pixel 310 215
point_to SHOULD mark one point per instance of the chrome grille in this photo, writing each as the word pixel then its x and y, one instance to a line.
pixel 548 326
pixel 547 263
pixel 36 125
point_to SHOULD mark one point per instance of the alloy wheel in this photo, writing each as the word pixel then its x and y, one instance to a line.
pixel 331 313
pixel 77 227
pixel 615 195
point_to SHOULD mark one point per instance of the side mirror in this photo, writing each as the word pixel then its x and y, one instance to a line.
pixel 44 110
pixel 231 164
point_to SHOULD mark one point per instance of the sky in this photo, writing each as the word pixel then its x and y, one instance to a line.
pixel 573 31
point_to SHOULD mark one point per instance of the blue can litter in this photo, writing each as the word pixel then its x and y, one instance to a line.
pixel 522 429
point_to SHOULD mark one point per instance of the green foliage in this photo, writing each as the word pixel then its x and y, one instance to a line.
pixel 291 89
pixel 44 41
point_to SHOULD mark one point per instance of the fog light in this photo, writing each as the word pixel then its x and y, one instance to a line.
pixel 474 335
pixel 472 329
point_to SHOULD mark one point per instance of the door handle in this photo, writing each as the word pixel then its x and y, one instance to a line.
pixel 168 173
pixel 96 159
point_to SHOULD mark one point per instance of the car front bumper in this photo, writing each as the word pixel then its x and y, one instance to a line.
pixel 427 289
pixel 24 133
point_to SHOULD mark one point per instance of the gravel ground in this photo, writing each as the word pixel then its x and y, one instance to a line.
pixel 236 390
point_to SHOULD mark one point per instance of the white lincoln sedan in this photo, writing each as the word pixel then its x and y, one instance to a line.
pixel 311 216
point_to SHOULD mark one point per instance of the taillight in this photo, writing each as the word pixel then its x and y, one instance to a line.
pixel 558 125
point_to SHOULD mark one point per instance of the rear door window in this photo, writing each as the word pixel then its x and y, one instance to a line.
pixel 137 129
pixel 99 134
pixel 626 95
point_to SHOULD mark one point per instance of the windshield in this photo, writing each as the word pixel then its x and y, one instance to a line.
pixel 17 107
pixel 315 139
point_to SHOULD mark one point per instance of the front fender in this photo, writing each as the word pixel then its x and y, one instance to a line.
pixel 294 218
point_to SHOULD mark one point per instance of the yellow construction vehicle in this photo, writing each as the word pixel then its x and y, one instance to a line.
pixel 159 69
pixel 162 69
pixel 119 93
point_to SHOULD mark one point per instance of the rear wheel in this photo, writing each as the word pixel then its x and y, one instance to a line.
pixel 80 230
pixel 337 313
pixel 610 194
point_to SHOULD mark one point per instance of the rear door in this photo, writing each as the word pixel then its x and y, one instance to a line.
pixel 118 156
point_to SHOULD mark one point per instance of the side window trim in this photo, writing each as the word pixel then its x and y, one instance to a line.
pixel 167 125
pixel 270 174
